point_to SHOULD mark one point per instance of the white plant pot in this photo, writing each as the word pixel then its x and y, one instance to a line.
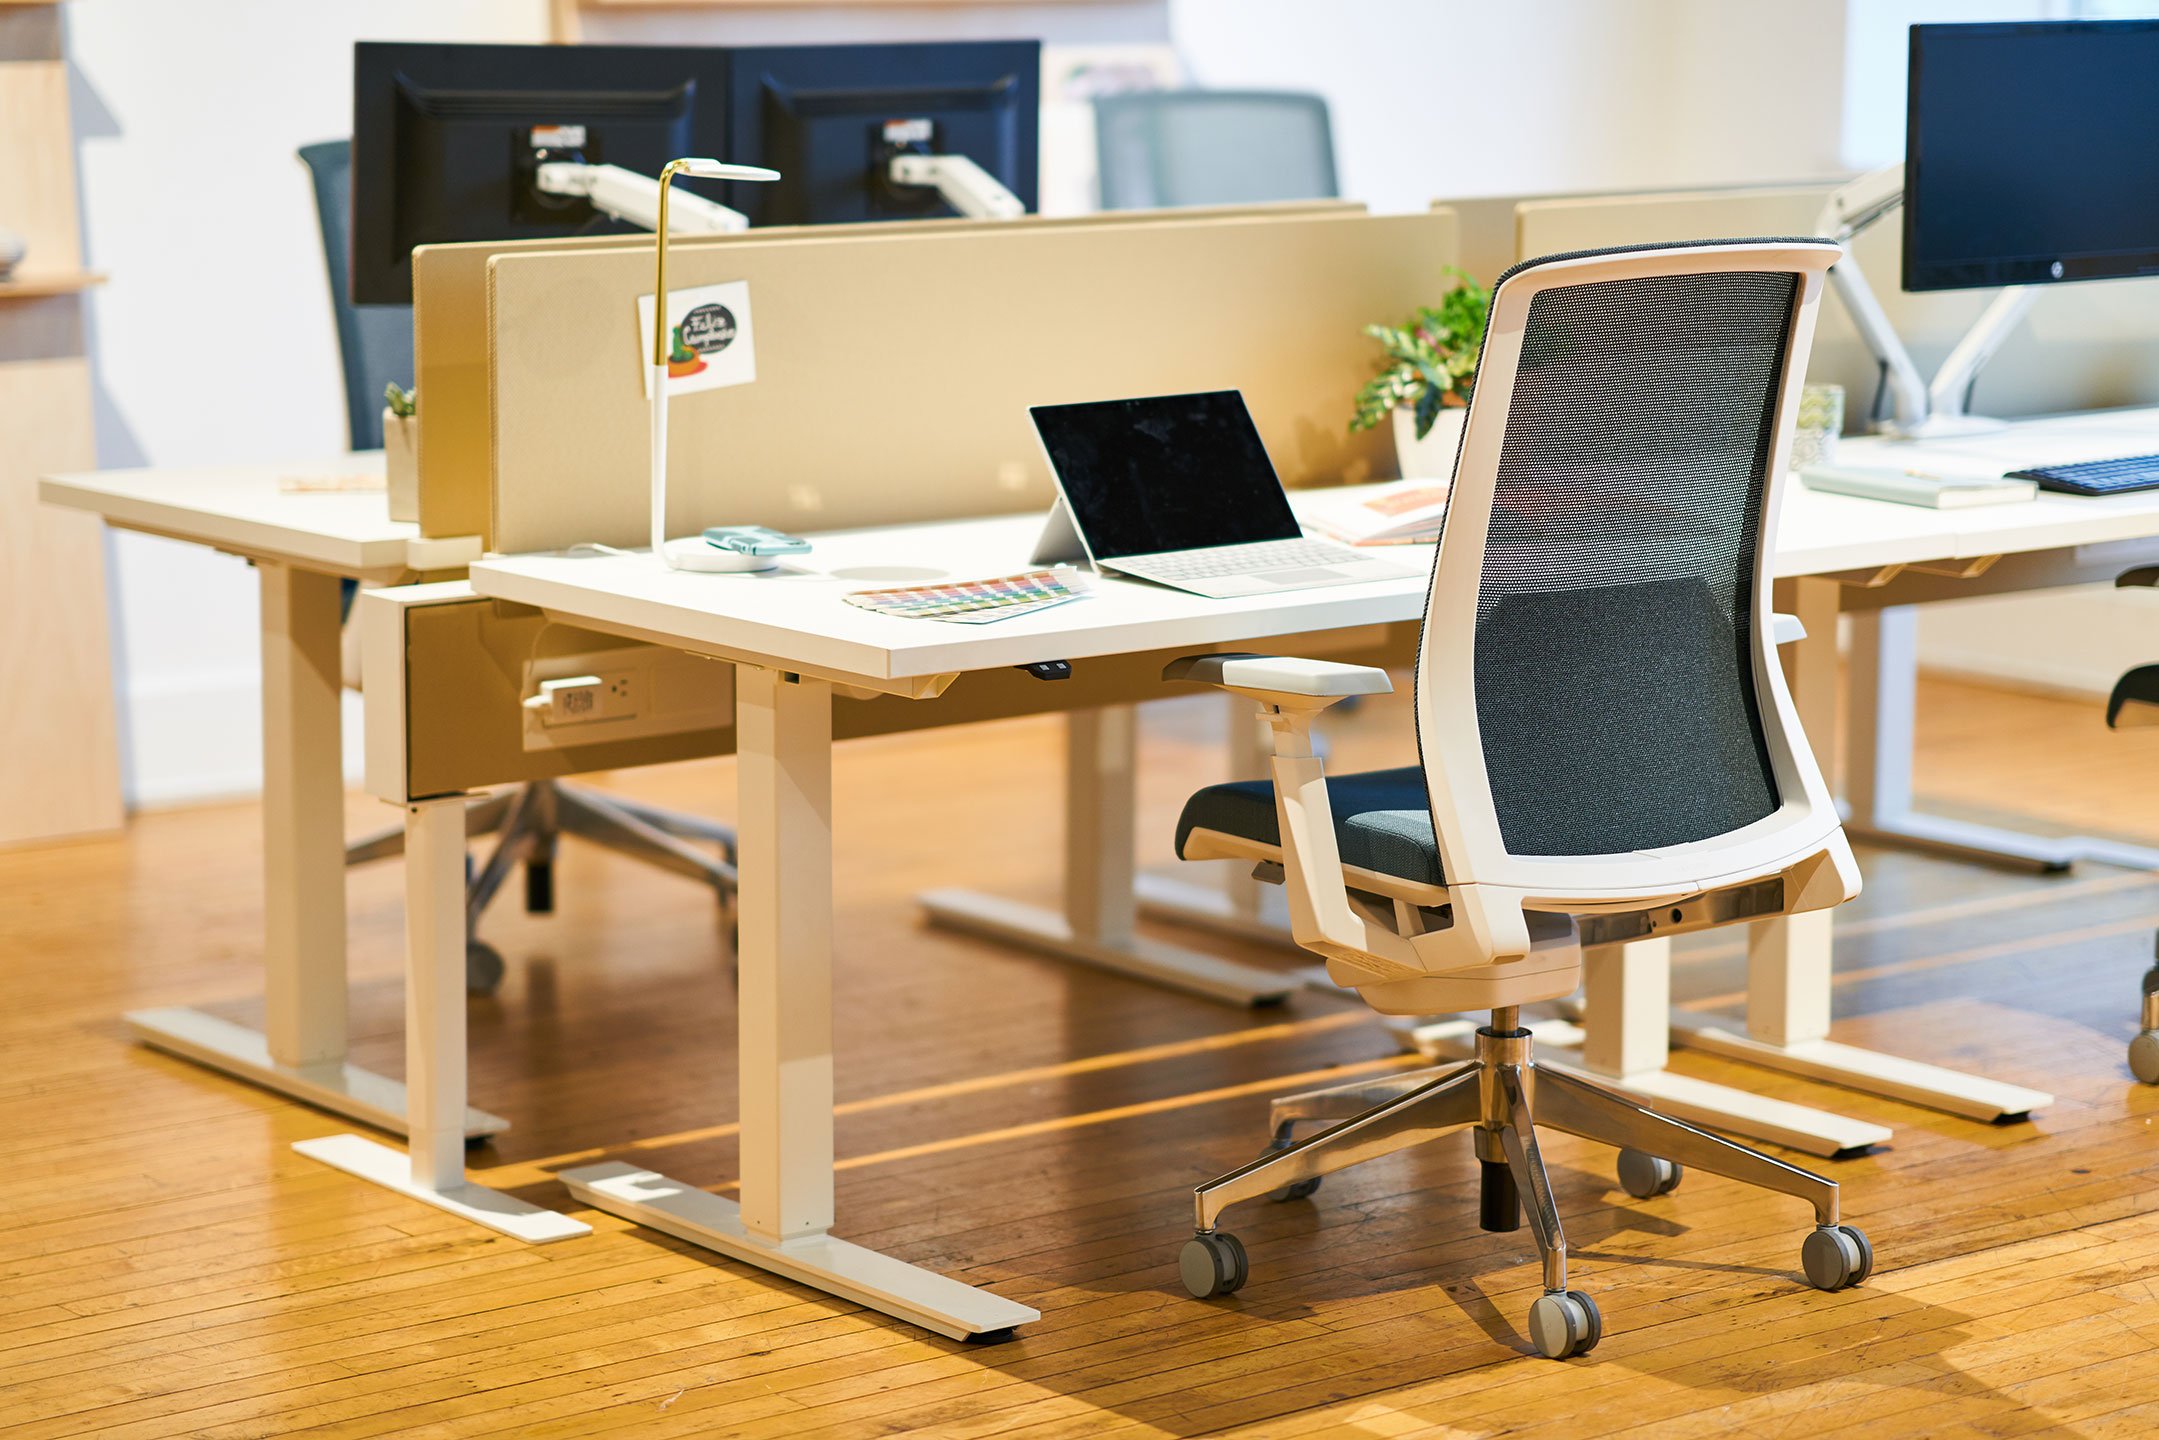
pixel 401 464
pixel 1431 458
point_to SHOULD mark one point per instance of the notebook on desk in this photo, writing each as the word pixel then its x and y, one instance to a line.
pixel 1178 489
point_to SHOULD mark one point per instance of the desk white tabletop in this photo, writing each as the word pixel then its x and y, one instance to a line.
pixel 250 510
pixel 797 614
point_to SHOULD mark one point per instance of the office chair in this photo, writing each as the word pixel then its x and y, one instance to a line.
pixel 1607 750
pixel 1156 149
pixel 374 348
pixel 2133 705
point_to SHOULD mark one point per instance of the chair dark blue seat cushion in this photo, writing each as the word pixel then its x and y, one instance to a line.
pixel 1382 820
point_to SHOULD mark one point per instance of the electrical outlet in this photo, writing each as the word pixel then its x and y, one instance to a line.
pixel 624 694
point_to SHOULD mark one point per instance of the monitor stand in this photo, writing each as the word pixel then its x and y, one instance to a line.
pixel 1921 409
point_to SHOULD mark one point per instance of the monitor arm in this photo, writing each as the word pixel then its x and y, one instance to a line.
pixel 635 199
pixel 1918 408
pixel 965 186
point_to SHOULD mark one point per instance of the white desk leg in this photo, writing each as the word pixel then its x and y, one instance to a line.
pixel 1622 1042
pixel 784 764
pixel 301 1052
pixel 434 1168
pixel 1101 910
pixel 1234 904
pixel 1878 771
pixel 1789 961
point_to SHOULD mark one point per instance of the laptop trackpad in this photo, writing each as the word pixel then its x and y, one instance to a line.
pixel 1297 577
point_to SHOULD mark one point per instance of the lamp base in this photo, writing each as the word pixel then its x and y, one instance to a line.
pixel 696 553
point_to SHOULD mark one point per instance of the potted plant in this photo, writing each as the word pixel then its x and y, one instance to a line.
pixel 401 450
pixel 1428 369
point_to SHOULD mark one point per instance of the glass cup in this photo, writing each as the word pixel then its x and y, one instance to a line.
pixel 1821 421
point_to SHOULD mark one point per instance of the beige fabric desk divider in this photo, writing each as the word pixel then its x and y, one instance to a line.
pixel 894 369
pixel 2084 347
pixel 449 316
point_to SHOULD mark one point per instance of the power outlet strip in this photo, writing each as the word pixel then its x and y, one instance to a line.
pixel 624 694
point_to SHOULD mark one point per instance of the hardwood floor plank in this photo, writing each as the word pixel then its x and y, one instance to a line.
pixel 192 1276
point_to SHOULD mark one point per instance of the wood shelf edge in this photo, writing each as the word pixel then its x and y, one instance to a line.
pixel 26 287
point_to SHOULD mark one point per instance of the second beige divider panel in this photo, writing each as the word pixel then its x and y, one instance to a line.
pixel 894 372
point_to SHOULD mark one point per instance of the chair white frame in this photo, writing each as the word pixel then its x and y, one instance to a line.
pixel 1495 952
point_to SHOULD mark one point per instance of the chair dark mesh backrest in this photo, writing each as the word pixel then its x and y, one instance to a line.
pixel 1212 147
pixel 1613 672
pixel 374 342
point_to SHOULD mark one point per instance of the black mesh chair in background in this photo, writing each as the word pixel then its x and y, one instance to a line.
pixel 2135 705
pixel 375 347
pixel 1606 748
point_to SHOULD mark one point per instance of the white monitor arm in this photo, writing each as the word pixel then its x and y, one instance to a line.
pixel 635 199
pixel 1917 407
pixel 965 186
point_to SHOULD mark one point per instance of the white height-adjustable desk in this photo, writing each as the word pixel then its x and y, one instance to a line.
pixel 796 644
pixel 303 544
pixel 1875 560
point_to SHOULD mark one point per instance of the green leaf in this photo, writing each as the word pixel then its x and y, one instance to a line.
pixel 1428 411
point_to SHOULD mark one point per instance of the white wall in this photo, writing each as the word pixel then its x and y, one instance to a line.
pixel 1469 97
pixel 213 341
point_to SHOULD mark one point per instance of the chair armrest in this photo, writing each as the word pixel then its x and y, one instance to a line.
pixel 1786 629
pixel 2143 576
pixel 1287 676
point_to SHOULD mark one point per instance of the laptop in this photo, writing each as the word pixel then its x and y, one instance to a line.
pixel 1178 489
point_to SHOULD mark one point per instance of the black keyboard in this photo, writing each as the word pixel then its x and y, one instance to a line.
pixel 2096 477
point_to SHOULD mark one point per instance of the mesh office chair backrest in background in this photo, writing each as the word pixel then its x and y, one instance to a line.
pixel 373 342
pixel 1157 149
pixel 1599 604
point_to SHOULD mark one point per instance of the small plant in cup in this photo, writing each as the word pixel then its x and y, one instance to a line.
pixel 1429 361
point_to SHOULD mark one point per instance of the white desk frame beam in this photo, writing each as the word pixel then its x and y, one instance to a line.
pixel 301 1050
pixel 1099 926
pixel 1883 708
pixel 433 1167
pixel 1790 965
pixel 783 1221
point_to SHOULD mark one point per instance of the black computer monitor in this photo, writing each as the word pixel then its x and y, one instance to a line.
pixel 829 118
pixel 2031 153
pixel 447 138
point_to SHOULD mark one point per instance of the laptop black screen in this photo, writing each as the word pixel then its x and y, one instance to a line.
pixel 1168 472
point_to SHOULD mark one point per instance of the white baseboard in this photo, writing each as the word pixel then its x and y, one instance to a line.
pixel 198 739
pixel 2074 641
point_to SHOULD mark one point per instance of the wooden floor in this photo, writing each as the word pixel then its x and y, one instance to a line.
pixel 169 1267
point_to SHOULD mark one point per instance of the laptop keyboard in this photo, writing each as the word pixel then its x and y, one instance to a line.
pixel 1255 559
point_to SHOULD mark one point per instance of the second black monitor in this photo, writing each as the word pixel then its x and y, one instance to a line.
pixel 830 118
pixel 447 138
pixel 2031 153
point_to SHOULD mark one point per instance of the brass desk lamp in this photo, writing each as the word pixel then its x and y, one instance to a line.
pixel 691 553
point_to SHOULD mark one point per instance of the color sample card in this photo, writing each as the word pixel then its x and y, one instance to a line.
pixel 978 602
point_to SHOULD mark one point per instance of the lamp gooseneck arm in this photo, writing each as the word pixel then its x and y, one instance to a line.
pixel 660 348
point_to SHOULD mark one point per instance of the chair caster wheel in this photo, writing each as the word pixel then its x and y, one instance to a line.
pixel 483 968
pixel 1212 1263
pixel 1645 1176
pixel 1564 1323
pixel 1836 1257
pixel 2144 1057
pixel 1303 1189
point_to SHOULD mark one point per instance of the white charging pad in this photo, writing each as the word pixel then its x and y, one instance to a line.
pixel 696 553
